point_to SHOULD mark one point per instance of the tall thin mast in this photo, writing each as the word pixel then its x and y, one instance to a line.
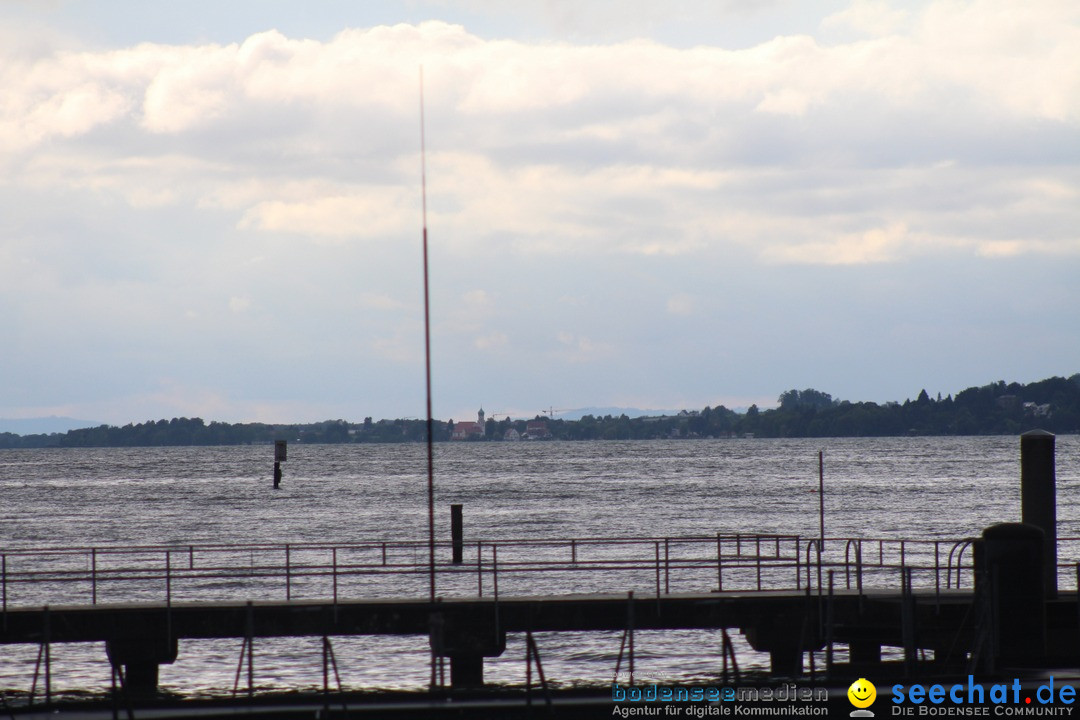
pixel 427 356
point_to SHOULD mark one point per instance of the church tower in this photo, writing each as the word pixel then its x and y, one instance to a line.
pixel 480 421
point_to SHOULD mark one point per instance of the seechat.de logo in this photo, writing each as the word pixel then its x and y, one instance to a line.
pixel 862 694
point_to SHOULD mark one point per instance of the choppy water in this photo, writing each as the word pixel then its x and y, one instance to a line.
pixel 891 488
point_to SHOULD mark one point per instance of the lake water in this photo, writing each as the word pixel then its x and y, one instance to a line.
pixel 875 488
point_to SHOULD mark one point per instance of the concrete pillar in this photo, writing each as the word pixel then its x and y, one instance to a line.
pixel 466 671
pixel 141 659
pixel 779 635
pixel 457 533
pixel 1038 498
pixel 466 640
pixel 864 652
pixel 1011 559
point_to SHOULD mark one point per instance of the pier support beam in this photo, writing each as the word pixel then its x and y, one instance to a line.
pixel 779 636
pixel 864 652
pixel 141 659
pixel 466 640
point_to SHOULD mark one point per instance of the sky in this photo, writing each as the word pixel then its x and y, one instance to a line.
pixel 213 209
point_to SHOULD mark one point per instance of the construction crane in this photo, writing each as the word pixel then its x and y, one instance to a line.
pixel 550 412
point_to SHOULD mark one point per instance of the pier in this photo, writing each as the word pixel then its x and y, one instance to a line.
pixel 830 604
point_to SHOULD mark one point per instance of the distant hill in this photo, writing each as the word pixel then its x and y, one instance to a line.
pixel 998 408
pixel 579 413
pixel 43 426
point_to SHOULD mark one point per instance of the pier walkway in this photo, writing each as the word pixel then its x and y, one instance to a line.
pixel 786 594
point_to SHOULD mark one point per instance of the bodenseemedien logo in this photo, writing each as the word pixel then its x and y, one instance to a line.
pixel 862 694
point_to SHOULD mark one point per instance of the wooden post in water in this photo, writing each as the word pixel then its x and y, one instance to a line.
pixel 280 455
pixel 821 494
pixel 457 534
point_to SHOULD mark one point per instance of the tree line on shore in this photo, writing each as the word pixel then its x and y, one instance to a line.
pixel 995 409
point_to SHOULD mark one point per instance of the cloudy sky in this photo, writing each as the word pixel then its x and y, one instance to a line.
pixel 213 209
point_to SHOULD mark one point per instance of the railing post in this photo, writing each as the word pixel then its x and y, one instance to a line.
pixel 93 576
pixel 48 657
pixel 829 616
pixel 479 568
pixel 168 578
pixel 937 571
pixel 630 631
pixel 657 546
pixel 288 573
pixel 858 566
pixel 333 560
pixel 798 566
pixel 667 567
pixel 757 555
pixel 719 565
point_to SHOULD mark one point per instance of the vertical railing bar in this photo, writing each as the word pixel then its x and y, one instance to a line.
pixel 333 560
pixel 48 658
pixel 630 627
pixel 757 554
pixel 829 628
pixel 495 573
pixel 858 567
pixel 798 565
pixel 719 564
pixel 93 576
pixel 657 545
pixel 288 572
pixel 479 568
pixel 667 567
pixel 937 574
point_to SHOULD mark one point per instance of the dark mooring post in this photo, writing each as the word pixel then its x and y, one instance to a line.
pixel 821 494
pixel 457 533
pixel 1011 564
pixel 1038 500
pixel 280 455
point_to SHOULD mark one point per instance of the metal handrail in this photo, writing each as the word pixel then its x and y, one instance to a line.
pixel 763 562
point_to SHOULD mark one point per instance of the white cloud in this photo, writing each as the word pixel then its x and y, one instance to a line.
pixel 368 212
pixel 871 246
pixel 239 304
pixel 491 341
pixel 680 304
pixel 870 17
pixel 281 174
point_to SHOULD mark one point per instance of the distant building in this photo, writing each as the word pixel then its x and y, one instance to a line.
pixel 511 435
pixel 467 430
pixel 537 430
pixel 1037 410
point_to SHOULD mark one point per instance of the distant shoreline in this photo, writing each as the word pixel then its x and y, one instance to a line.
pixel 995 409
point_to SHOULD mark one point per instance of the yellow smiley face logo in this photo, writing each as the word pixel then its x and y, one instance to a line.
pixel 862 693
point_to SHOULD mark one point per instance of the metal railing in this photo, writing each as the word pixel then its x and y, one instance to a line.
pixel 652 565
